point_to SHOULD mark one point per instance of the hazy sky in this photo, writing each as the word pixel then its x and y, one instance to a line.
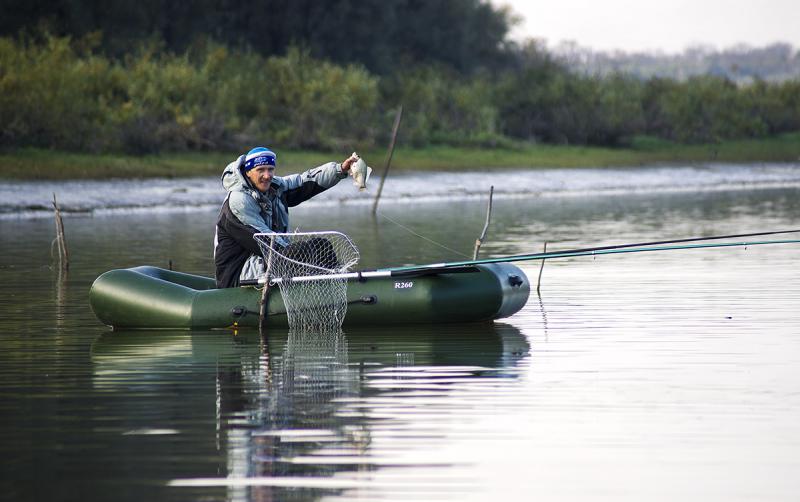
pixel 666 25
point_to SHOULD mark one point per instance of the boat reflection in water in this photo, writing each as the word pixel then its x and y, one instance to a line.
pixel 305 411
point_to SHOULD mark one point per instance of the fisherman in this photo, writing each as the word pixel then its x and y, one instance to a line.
pixel 258 202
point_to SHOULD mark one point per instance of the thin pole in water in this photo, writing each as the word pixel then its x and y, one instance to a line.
pixel 388 161
pixel 479 241
pixel 61 240
pixel 541 268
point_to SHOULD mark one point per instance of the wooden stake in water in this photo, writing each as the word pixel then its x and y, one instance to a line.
pixel 479 241
pixel 61 240
pixel 388 161
pixel 541 268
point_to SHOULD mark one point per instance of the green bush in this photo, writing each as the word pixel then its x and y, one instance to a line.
pixel 60 93
pixel 151 101
pixel 52 96
pixel 547 103
pixel 315 104
pixel 441 107
pixel 778 104
pixel 702 110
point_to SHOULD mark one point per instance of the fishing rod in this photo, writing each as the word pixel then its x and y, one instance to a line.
pixel 612 249
pixel 470 266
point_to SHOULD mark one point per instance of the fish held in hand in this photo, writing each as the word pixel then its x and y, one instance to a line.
pixel 360 172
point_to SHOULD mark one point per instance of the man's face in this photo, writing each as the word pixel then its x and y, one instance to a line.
pixel 261 177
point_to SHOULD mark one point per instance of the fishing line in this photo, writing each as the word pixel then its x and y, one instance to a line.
pixel 602 250
pixel 422 236
pixel 656 243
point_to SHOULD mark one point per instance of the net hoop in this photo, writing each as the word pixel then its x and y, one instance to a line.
pixel 318 304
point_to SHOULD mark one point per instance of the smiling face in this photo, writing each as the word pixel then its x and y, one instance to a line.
pixel 261 177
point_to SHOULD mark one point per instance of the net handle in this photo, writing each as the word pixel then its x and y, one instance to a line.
pixel 262 315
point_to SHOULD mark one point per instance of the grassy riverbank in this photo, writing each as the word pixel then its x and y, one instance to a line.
pixel 31 163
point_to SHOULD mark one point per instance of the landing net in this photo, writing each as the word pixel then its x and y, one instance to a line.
pixel 311 305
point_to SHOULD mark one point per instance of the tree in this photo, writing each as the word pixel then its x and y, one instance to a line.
pixel 383 36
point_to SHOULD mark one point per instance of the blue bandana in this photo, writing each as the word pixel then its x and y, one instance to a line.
pixel 258 157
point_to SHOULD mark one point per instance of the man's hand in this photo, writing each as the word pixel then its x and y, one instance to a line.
pixel 349 162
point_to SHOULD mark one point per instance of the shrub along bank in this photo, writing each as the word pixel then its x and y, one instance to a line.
pixel 58 93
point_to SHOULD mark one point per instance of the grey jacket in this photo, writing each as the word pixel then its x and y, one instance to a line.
pixel 247 211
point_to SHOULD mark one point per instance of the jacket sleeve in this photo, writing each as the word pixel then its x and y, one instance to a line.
pixel 301 187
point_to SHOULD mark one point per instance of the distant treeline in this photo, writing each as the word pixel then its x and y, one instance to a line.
pixel 60 93
pixel 742 64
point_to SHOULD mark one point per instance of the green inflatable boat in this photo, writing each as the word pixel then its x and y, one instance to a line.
pixel 154 298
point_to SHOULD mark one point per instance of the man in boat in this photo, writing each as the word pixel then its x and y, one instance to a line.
pixel 258 202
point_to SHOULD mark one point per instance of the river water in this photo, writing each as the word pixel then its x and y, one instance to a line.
pixel 651 376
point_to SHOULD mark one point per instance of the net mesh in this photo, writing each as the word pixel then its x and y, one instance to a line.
pixel 318 301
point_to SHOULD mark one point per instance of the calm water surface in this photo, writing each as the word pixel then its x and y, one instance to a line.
pixel 651 376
